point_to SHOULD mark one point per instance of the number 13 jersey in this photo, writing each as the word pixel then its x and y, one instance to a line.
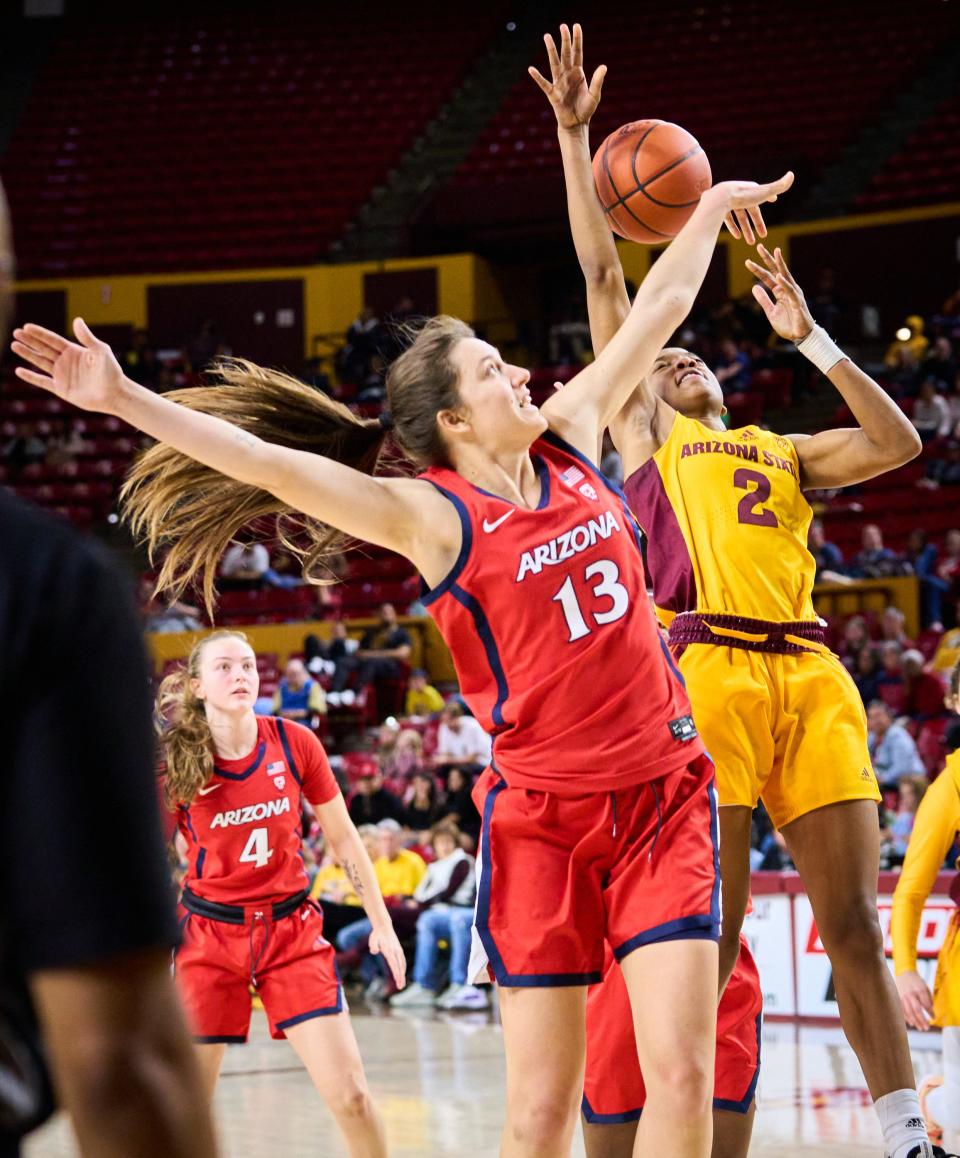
pixel 726 523
pixel 557 651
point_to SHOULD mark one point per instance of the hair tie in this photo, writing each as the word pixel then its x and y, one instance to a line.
pixel 385 418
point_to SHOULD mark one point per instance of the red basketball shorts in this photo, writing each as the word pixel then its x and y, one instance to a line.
pixel 559 875
pixel 613 1088
pixel 288 962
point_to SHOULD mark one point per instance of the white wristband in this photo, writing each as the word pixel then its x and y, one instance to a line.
pixel 821 349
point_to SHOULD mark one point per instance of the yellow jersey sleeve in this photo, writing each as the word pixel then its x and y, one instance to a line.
pixel 934 830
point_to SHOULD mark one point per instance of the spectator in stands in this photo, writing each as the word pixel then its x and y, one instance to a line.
pixel 874 560
pixel 568 339
pixel 924 689
pixel 827 306
pixel 458 804
pixel 422 808
pixel 892 750
pixel 913 343
pixel 940 364
pixel 948 569
pixel 953 401
pixel 244 566
pixel 423 699
pixel 828 556
pixel 856 638
pixel 890 681
pixel 931 414
pixel 445 896
pixel 944 470
pixel 322 657
pixel 893 627
pixel 298 697
pixel 922 557
pixel 403 756
pixel 733 367
pixel 866 675
pixel 461 742
pixel 161 617
pixel 355 360
pixel 399 870
pixel 895 833
pixel 336 895
pixel 372 802
pixel 139 360
pixel 382 651
pixel 168 378
pixel 768 849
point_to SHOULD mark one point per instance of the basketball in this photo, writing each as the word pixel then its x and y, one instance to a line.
pixel 649 176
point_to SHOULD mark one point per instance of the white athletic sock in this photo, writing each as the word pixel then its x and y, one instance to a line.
pixel 902 1124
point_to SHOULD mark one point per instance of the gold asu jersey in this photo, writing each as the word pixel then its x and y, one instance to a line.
pixel 726 524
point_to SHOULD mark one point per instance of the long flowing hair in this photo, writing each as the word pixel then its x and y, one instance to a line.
pixel 183 730
pixel 189 514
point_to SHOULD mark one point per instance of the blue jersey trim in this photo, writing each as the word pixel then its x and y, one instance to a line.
pixel 703 927
pixel 201 857
pixel 285 744
pixel 669 658
pixel 542 468
pixel 595 1119
pixel 428 595
pixel 485 633
pixel 744 1104
pixel 326 1011
pixel 511 980
pixel 250 769
pixel 715 904
pixel 185 809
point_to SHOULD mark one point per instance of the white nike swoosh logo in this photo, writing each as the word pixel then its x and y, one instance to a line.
pixel 212 788
pixel 488 526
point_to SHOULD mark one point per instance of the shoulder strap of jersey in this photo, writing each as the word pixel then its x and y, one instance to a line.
pixel 285 744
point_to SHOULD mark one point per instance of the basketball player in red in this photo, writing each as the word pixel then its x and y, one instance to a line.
pixel 598 808
pixel 236 782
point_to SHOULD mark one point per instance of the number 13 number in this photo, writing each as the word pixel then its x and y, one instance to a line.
pixel 609 587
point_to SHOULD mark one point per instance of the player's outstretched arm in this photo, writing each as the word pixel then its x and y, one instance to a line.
pixel 587 404
pixel 885 437
pixel 396 513
pixel 574 102
pixel 345 841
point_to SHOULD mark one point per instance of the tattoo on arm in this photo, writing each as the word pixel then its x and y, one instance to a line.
pixel 353 873
pixel 245 438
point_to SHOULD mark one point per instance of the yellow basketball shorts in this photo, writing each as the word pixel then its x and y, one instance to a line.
pixel 946 987
pixel 789 730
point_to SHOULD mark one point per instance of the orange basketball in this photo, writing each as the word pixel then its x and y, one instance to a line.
pixel 649 176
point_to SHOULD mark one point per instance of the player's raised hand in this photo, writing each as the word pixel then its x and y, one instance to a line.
pixel 84 373
pixel 384 940
pixel 786 309
pixel 916 999
pixel 573 100
pixel 743 200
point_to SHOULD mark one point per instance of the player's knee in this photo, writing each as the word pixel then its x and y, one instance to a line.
pixel 681 1083
pixel 352 1100
pixel 852 931
pixel 544 1119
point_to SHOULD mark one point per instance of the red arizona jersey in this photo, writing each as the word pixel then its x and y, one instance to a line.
pixel 243 830
pixel 546 614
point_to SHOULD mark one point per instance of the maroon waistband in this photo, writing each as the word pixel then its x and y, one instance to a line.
pixel 694 627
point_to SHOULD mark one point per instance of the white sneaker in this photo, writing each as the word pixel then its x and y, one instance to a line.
pixel 448 995
pixel 413 995
pixel 349 697
pixel 468 997
pixel 333 698
pixel 316 665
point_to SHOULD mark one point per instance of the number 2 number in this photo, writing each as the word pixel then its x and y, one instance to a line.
pixel 750 509
pixel 256 850
pixel 609 587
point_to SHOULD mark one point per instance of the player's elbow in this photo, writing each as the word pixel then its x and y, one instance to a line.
pixel 603 277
